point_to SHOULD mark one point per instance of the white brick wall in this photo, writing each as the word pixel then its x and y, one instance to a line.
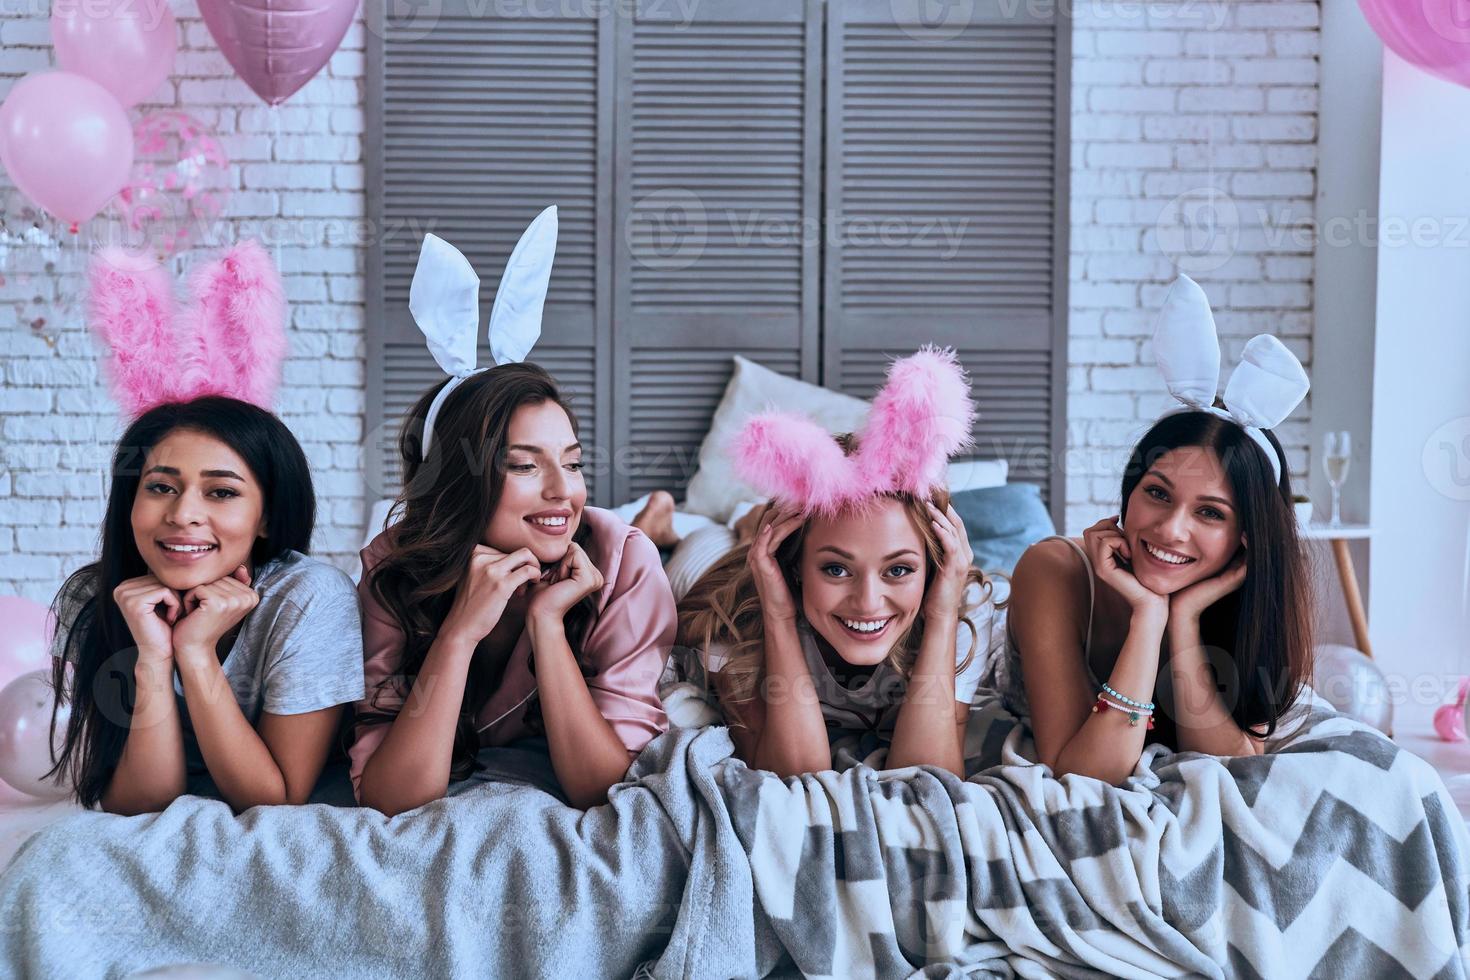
pixel 1162 92
pixel 59 423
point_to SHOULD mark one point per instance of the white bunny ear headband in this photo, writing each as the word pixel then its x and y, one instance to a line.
pixel 444 299
pixel 1264 388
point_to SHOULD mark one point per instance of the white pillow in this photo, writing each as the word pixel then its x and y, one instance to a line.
pixel 715 491
pixel 977 474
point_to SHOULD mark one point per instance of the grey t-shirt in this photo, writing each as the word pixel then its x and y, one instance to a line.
pixel 298 650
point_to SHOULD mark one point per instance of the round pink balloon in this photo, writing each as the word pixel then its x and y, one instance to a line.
pixel 25 643
pixel 276 46
pixel 25 735
pixel 1433 34
pixel 126 47
pixel 66 143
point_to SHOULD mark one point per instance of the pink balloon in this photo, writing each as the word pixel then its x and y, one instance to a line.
pixel 1449 722
pixel 126 47
pixel 25 735
pixel 276 46
pixel 12 797
pixel 25 642
pixel 1433 34
pixel 66 143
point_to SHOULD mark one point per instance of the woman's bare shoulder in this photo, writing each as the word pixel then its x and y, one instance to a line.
pixel 1049 587
pixel 1051 564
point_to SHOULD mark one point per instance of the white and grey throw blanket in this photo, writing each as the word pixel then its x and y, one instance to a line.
pixel 1336 854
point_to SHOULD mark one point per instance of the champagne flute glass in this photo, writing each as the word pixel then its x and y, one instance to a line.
pixel 1337 456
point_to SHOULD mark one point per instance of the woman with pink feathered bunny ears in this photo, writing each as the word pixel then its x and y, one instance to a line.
pixel 855 620
pixel 203 652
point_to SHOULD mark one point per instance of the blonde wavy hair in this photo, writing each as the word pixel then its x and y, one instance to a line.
pixel 723 607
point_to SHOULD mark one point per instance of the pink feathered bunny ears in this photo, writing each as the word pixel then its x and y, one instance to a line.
pixel 922 416
pixel 229 340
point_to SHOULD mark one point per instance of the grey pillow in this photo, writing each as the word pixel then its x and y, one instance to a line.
pixel 1002 522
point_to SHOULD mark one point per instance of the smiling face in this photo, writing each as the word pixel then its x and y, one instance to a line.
pixel 198 510
pixel 1181 523
pixel 862 580
pixel 543 493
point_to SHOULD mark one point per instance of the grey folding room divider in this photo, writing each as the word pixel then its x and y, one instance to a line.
pixel 818 186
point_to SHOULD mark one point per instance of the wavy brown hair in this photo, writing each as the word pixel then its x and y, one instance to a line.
pixel 447 501
pixel 723 607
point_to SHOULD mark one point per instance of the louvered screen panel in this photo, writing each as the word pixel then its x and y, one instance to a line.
pixel 678 391
pixel 687 145
pixel 718 186
pixel 409 371
pixel 1010 388
pixel 483 119
pixel 945 177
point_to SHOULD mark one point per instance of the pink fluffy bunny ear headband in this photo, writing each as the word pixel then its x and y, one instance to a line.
pixel 920 418
pixel 229 340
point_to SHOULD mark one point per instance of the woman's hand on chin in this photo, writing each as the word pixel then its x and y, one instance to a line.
pixel 488 584
pixel 1190 602
pixel 572 580
pixel 212 610
pixel 1112 558
pixel 151 609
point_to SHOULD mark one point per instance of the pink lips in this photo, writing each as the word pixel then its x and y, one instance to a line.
pixel 554 531
pixel 1160 563
pixel 185 557
pixel 865 636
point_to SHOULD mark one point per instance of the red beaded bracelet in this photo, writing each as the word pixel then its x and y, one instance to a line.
pixel 1133 716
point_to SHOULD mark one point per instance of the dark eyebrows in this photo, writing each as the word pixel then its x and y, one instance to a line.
pixel 538 451
pixel 1165 481
pixel 896 554
pixel 173 471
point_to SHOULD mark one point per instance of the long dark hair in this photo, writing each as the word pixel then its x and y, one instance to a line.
pixel 447 501
pixel 99 684
pixel 1264 628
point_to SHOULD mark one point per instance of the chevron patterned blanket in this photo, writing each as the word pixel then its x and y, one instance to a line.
pixel 1335 854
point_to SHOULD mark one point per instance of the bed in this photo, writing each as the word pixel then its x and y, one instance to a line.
pixel 1335 853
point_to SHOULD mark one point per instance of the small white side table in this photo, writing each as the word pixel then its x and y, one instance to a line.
pixel 1340 536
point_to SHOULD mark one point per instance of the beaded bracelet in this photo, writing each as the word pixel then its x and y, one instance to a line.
pixel 1141 705
pixel 1132 713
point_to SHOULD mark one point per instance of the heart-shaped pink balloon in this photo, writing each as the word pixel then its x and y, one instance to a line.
pixel 276 46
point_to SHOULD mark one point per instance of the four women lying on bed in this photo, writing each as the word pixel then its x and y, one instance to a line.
pixel 204 646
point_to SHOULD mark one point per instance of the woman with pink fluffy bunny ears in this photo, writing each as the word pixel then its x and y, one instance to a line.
pixel 203 652
pixel 845 627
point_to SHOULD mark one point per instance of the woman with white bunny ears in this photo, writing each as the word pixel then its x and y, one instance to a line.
pixel 1186 618
pixel 500 609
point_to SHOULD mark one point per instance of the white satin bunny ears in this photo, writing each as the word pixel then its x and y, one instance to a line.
pixel 444 299
pixel 1267 385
